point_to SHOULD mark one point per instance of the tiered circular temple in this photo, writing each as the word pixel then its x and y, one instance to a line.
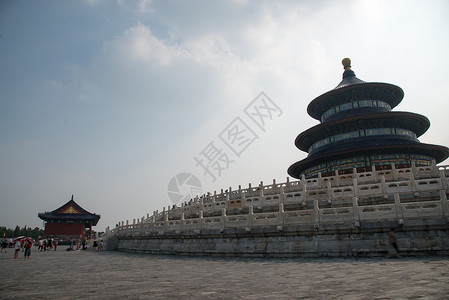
pixel 359 130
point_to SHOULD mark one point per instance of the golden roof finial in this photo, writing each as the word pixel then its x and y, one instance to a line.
pixel 346 63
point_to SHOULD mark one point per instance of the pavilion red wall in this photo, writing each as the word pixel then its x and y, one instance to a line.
pixel 65 229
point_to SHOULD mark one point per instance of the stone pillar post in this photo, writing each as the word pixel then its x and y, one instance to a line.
pixel 281 214
pixel 414 170
pixel 330 194
pixel 394 171
pixel 444 204
pixel 250 216
pixel 316 211
pixel 319 180
pixel 287 185
pixel 443 179
pixel 223 218
pixel 355 187
pixel 374 173
pixel 304 195
pixel 434 171
pixel 200 220
pixel 302 181
pixel 413 183
pixel 398 207
pixel 337 178
pixel 182 221
pixel 165 221
pixel 356 211
pixel 383 184
pixel 281 194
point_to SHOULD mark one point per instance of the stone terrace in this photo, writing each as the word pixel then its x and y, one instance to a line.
pixel 375 196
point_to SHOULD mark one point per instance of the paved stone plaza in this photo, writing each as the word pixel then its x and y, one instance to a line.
pixel 116 275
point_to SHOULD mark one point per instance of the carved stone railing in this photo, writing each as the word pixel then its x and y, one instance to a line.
pixel 393 194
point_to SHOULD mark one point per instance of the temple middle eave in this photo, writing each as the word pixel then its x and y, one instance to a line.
pixel 415 123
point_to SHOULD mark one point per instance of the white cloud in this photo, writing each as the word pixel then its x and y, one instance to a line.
pixel 54 83
pixel 144 6
pixel 139 44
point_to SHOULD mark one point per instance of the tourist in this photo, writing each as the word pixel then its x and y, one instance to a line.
pixel 17 249
pixel 56 243
pixel 71 246
pixel 27 246
pixel 4 246
pixel 393 242
pixel 95 246
pixel 101 245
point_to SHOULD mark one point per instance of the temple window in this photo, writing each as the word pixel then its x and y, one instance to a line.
pixel 352 105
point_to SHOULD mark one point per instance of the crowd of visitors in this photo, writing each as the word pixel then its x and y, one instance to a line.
pixel 83 245
pixel 49 244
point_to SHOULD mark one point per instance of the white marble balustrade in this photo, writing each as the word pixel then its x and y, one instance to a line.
pixel 393 194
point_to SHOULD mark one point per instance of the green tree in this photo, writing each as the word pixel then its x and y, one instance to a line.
pixel 17 231
pixel 35 233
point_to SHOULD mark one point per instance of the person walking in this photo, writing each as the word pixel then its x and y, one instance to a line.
pixel 393 242
pixel 4 246
pixel 28 245
pixel 17 249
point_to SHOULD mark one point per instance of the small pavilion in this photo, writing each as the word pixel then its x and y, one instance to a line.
pixel 70 220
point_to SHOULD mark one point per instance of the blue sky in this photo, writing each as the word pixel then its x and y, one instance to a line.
pixel 110 100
